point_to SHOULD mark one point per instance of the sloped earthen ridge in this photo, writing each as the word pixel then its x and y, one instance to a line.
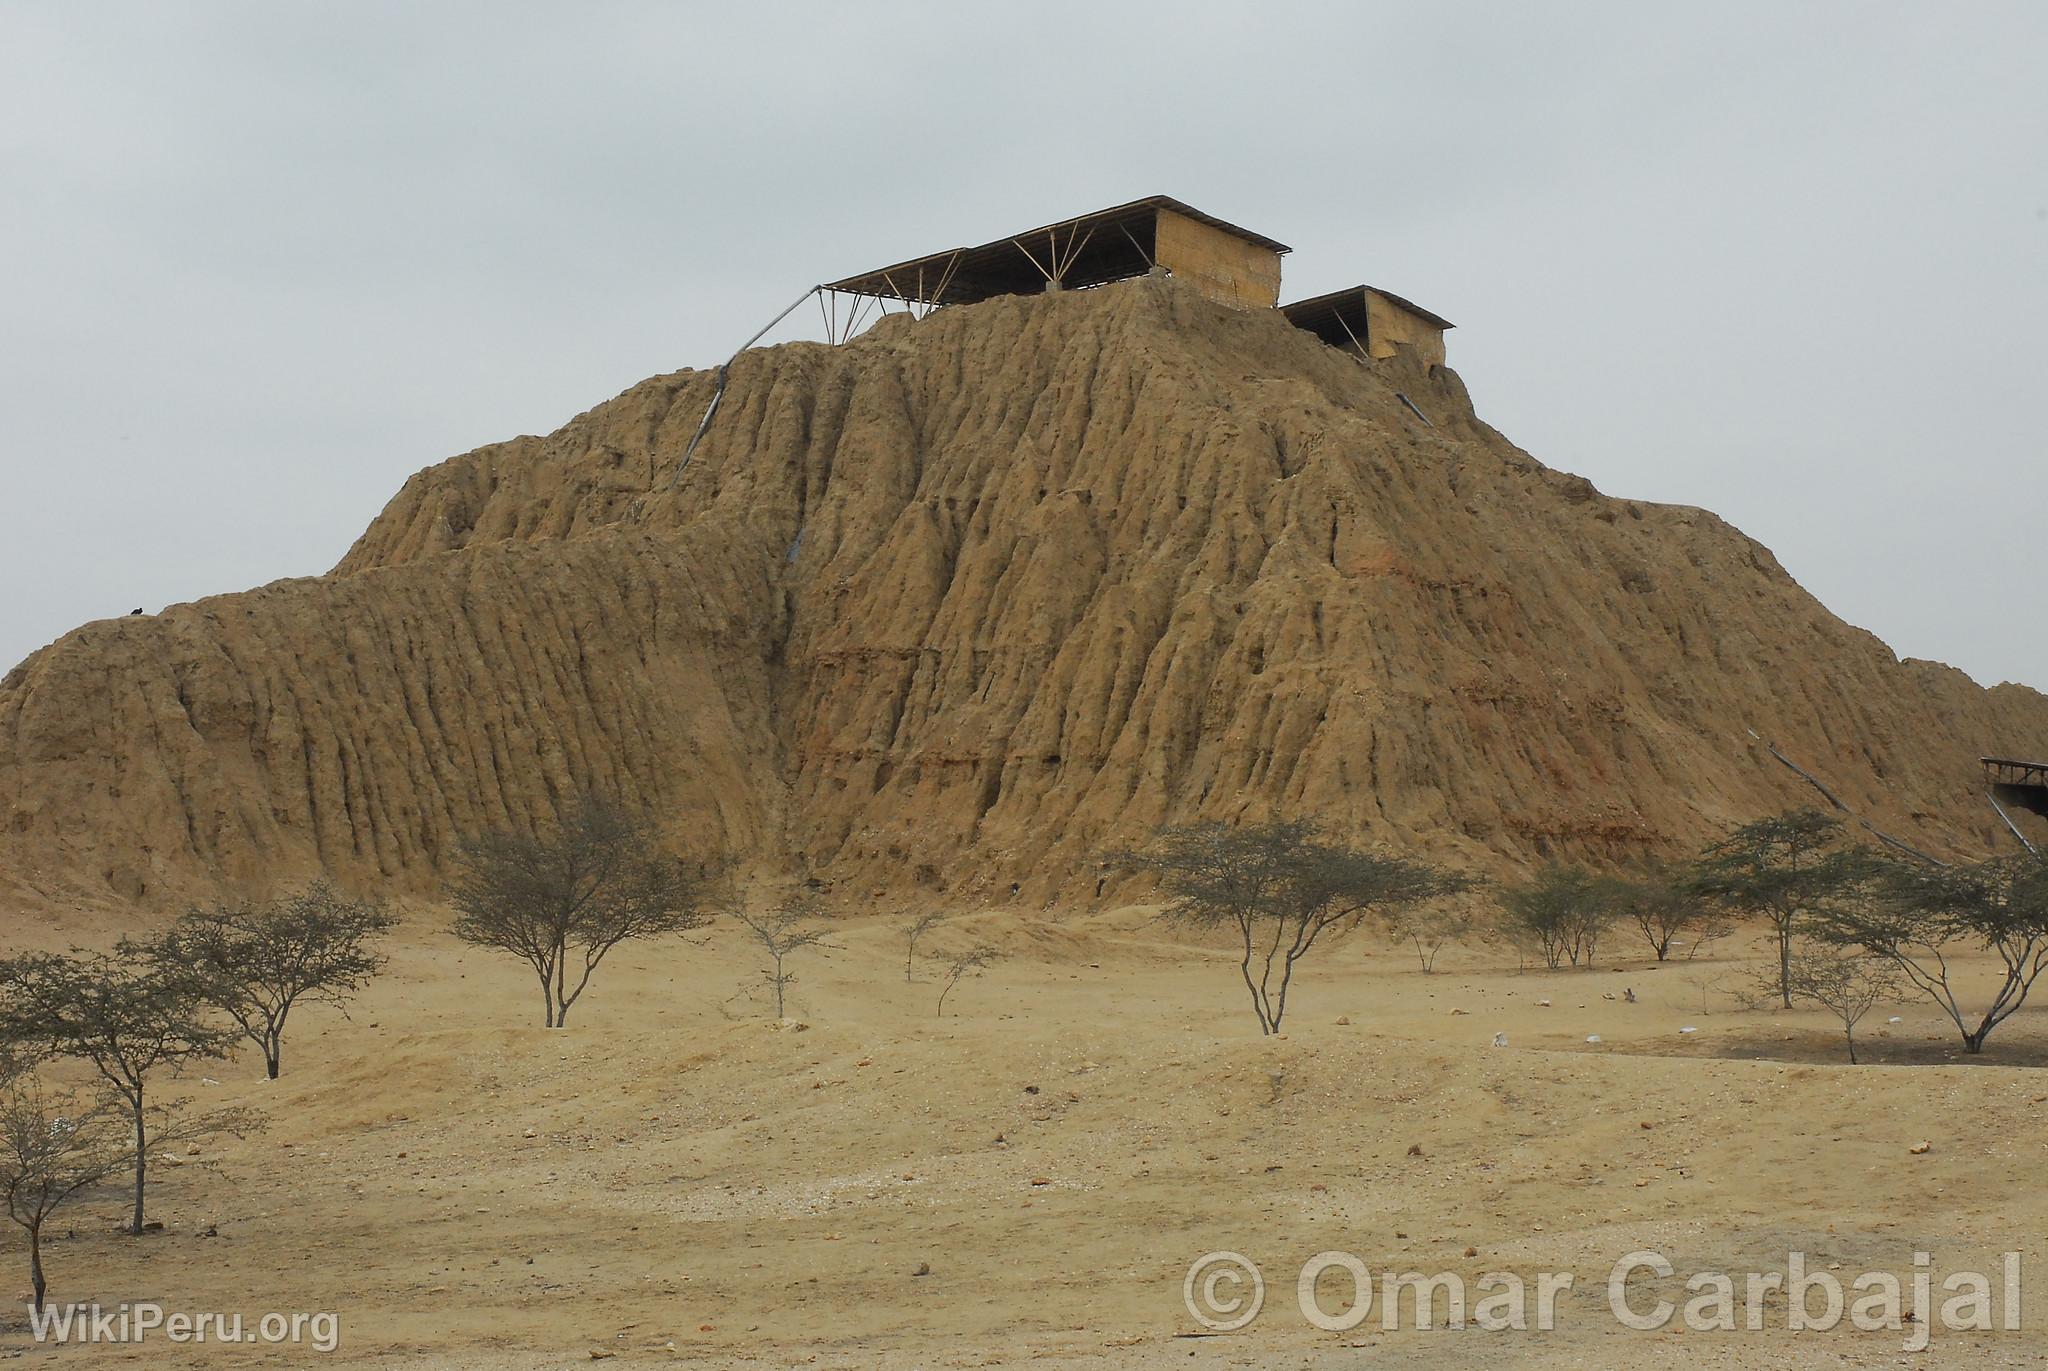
pixel 969 600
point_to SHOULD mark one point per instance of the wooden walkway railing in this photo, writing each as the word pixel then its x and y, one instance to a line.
pixel 2006 771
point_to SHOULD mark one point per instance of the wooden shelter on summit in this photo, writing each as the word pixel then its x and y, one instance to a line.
pixel 1231 265
pixel 1372 323
pixel 1224 262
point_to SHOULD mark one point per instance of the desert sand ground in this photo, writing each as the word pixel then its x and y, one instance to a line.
pixel 661 1182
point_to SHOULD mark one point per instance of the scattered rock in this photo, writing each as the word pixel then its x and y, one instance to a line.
pixel 1921 1148
pixel 923 1269
pixel 1415 1149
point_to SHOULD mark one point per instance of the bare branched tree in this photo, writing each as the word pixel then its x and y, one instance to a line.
pixel 257 962
pixel 973 962
pixel 1845 981
pixel 923 924
pixel 118 1012
pixel 53 1146
pixel 791 925
pixel 1282 888
pixel 560 901
pixel 1916 917
pixel 1786 869
pixel 1430 928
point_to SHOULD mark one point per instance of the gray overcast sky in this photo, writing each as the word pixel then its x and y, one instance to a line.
pixel 263 261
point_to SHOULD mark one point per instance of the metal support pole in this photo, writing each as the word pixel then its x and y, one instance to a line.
pixel 718 387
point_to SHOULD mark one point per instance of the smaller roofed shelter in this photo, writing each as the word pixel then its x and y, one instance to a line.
pixel 2020 783
pixel 1372 323
pixel 1225 262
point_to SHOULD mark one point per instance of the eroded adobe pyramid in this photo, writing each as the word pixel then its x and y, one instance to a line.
pixel 967 601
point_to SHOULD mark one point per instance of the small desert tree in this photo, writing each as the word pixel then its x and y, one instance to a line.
pixel 1845 981
pixel 131 1022
pixel 561 900
pixel 1282 888
pixel 1663 907
pixel 1786 869
pixel 1561 911
pixel 972 962
pixel 257 962
pixel 1916 917
pixel 915 930
pixel 53 1147
pixel 790 926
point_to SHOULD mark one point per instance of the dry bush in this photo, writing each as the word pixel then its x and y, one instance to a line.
pixel 973 962
pixel 1430 928
pixel 790 926
pixel 1847 982
pixel 914 932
